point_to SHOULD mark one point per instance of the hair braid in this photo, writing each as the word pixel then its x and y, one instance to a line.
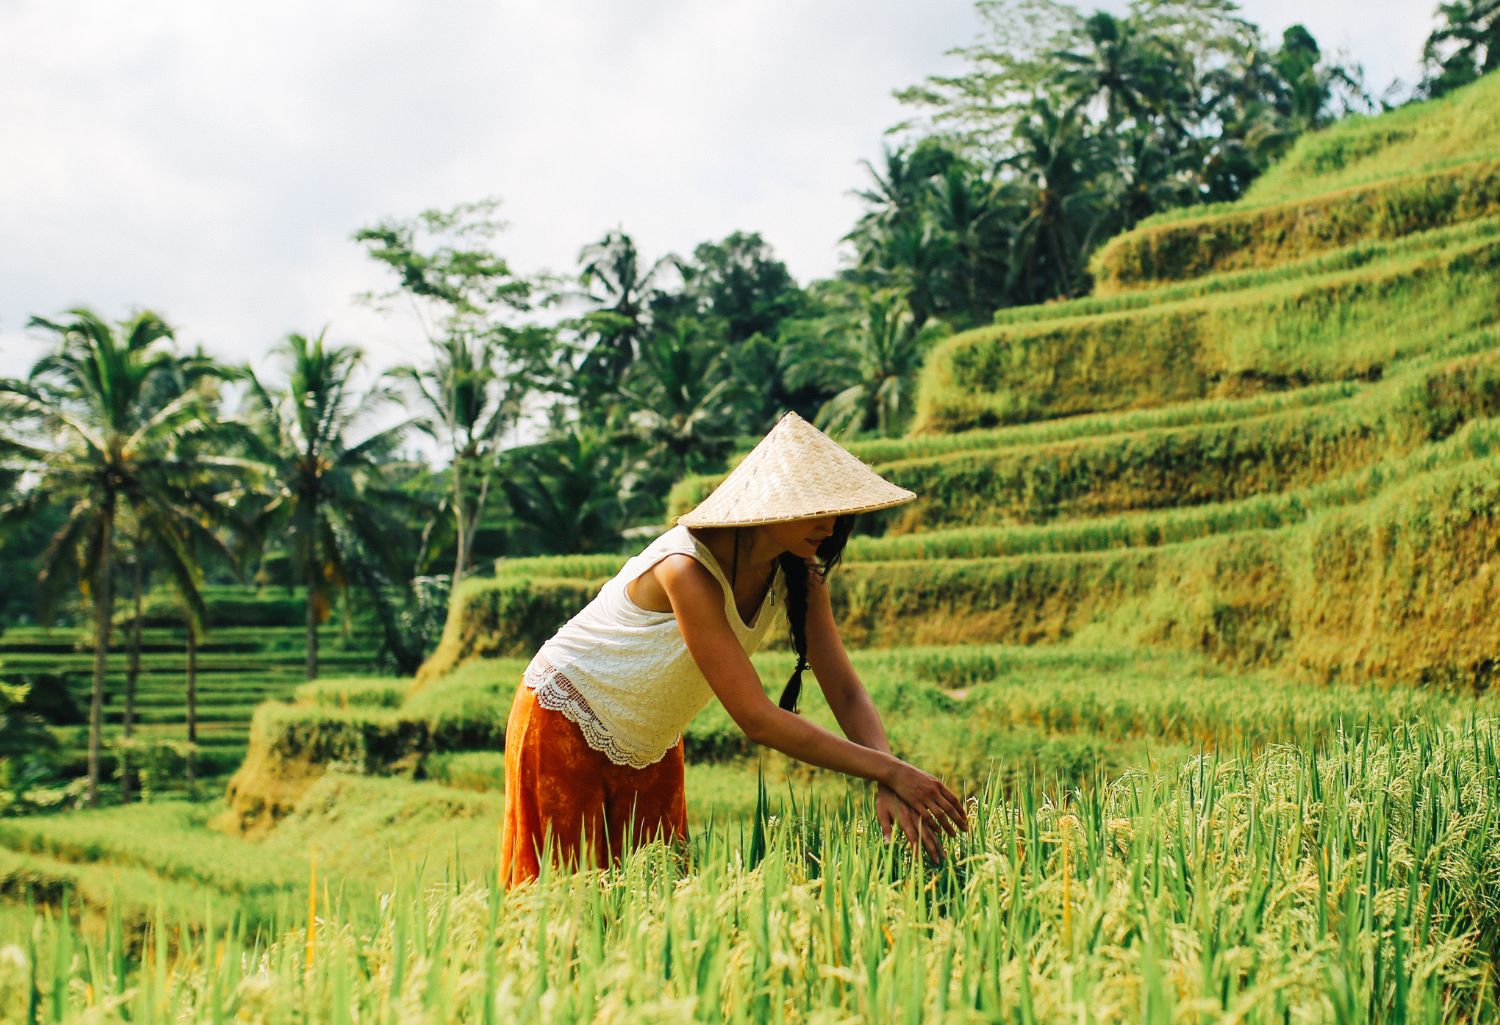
pixel 796 570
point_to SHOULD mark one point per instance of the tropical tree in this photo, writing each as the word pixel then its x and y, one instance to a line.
pixel 464 297
pixel 566 491
pixel 618 282
pixel 1058 165
pixel 872 359
pixel 202 475
pixel 1464 46
pixel 1091 123
pixel 472 392
pixel 682 395
pixel 738 283
pixel 331 496
pixel 445 271
pixel 974 211
pixel 1134 75
pixel 105 444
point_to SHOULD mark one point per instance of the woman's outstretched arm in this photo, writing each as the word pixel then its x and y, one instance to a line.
pixel 852 707
pixel 698 604
pixel 841 686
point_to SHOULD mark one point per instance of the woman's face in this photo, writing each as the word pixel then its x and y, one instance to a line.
pixel 800 537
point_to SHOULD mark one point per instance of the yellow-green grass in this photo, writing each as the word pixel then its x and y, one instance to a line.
pixel 1093 428
pixel 1255 597
pixel 1186 466
pixel 1351 593
pixel 1476 439
pixel 1352 324
pixel 1265 236
pixel 692 489
pixel 1128 463
pixel 127 858
pixel 976 714
pixel 1350 257
pixel 237 669
pixel 1348 878
pixel 1459 128
pixel 293 743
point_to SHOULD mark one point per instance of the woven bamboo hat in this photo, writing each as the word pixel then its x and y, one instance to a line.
pixel 795 472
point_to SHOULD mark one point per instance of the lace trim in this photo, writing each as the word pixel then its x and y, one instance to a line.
pixel 556 693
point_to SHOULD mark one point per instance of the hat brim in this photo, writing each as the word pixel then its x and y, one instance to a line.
pixel 796 472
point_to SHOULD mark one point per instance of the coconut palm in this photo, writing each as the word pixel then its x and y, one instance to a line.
pixel 566 490
pixel 1465 46
pixel 682 395
pixel 873 362
pixel 469 402
pixel 1133 74
pixel 329 495
pixel 1058 165
pixel 619 282
pixel 107 425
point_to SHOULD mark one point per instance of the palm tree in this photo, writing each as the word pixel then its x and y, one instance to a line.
pixel 682 395
pixel 974 213
pixel 107 427
pixel 899 190
pixel 194 371
pixel 1465 46
pixel 1134 74
pixel 328 494
pixel 469 403
pixel 567 490
pixel 873 362
pixel 1058 164
pixel 619 282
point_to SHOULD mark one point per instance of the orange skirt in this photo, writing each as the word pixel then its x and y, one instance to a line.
pixel 563 793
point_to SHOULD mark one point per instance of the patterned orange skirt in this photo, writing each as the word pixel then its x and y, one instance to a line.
pixel 560 791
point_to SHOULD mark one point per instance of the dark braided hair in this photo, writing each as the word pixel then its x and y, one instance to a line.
pixel 830 550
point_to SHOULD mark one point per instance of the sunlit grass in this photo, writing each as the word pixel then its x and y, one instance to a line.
pixel 1351 877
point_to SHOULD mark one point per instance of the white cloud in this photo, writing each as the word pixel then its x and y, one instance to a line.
pixel 211 160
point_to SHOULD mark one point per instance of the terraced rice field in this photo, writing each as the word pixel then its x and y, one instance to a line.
pixel 1196 608
pixel 238 668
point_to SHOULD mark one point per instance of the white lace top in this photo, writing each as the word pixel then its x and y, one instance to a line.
pixel 623 674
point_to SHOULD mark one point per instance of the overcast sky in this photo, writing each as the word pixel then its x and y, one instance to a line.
pixel 210 160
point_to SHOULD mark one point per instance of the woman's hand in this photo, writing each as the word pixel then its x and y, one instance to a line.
pixel 923 806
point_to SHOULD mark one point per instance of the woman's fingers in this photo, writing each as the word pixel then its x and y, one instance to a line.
pixel 910 826
pixel 942 820
pixel 921 834
pixel 957 805
pixel 953 808
pixel 946 812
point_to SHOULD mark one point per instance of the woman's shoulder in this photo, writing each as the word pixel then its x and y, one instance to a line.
pixel 673 539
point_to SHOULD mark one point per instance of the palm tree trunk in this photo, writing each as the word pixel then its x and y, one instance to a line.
pixel 461 560
pixel 132 676
pixel 103 609
pixel 476 517
pixel 192 701
pixel 311 580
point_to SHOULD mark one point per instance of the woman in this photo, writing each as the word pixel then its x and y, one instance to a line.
pixel 593 745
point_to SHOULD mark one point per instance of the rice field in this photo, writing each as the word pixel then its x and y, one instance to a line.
pixel 238 668
pixel 1197 613
pixel 1351 876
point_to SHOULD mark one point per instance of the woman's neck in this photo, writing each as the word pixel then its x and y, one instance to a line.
pixel 757 555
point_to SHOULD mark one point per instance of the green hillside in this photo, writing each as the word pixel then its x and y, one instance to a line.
pixel 260 658
pixel 1265 408
pixel 1242 499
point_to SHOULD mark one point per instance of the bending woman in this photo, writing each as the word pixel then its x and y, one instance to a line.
pixel 593 744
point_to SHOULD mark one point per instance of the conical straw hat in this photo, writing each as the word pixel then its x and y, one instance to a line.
pixel 795 472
